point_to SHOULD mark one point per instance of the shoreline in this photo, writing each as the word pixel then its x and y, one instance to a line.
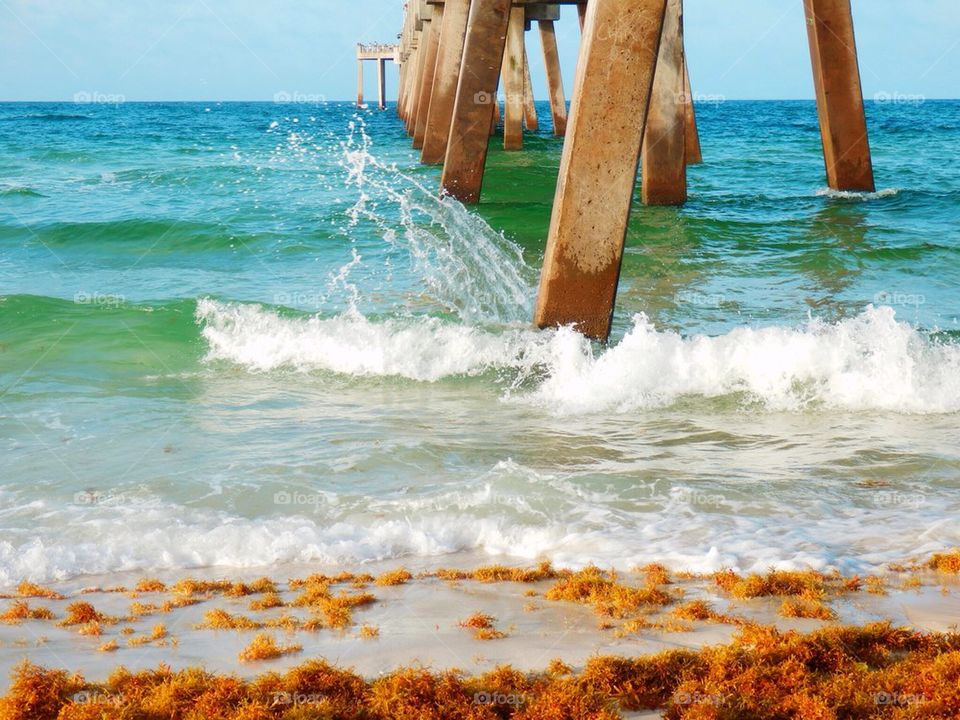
pixel 468 621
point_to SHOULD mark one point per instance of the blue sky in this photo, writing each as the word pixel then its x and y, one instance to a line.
pixel 252 50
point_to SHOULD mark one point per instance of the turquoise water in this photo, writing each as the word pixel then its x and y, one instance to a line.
pixel 239 335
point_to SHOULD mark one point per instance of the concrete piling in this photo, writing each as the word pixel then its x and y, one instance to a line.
pixel 551 61
pixel 476 92
pixel 453 28
pixel 513 82
pixel 598 167
pixel 429 69
pixel 836 75
pixel 692 140
pixel 530 121
pixel 663 155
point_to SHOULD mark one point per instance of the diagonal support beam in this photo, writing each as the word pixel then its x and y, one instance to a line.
pixel 476 92
pixel 663 157
pixel 513 82
pixel 598 168
pixel 444 94
pixel 551 61
pixel 836 75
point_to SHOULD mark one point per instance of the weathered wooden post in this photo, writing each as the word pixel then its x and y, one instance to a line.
pixel 836 75
pixel 598 168
pixel 432 33
pixel 551 61
pixel 663 156
pixel 449 56
pixel 513 82
pixel 476 92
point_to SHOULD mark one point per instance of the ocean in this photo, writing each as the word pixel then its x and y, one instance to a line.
pixel 245 335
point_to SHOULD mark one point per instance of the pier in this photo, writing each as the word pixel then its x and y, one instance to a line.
pixel 631 112
pixel 380 54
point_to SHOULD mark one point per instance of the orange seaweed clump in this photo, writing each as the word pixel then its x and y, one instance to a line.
pixel 190 586
pixel 776 582
pixel 417 694
pixel 482 626
pixel 368 632
pixel 656 574
pixel 337 610
pixel 806 607
pixel 394 577
pixel 32 590
pixel 593 586
pixel 264 647
pixel 948 562
pixel 36 693
pixel 502 573
pixel 269 600
pixel 20 610
pixel 220 619
pixel 109 646
pixel 150 585
pixel 83 613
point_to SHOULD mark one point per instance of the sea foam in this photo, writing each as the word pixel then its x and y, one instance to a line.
pixel 869 362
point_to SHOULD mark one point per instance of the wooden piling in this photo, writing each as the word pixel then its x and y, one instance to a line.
pixel 836 74
pixel 598 167
pixel 449 56
pixel 412 85
pixel 663 155
pixel 582 13
pixel 483 52
pixel 551 61
pixel 530 121
pixel 513 82
pixel 429 68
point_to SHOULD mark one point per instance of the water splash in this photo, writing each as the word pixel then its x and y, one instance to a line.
pixel 466 266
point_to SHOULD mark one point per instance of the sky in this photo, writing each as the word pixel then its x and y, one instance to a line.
pixel 261 49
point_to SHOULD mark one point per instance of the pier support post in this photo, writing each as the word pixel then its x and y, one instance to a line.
pixel 530 121
pixel 416 62
pixel 359 82
pixel 663 156
pixel 551 61
pixel 476 92
pixel 598 168
pixel 582 13
pixel 382 84
pixel 692 142
pixel 513 81
pixel 444 93
pixel 431 32
pixel 836 75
